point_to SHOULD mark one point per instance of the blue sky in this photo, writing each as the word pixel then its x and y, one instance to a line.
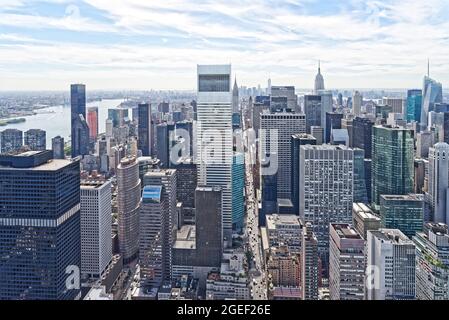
pixel 156 44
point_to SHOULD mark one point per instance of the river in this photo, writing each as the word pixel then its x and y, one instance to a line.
pixel 56 120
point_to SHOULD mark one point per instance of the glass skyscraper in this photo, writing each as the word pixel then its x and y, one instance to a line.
pixel 79 127
pixel 414 105
pixel 238 186
pixel 40 239
pixel 432 93
pixel 392 163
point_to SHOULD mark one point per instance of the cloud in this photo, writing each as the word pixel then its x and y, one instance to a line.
pixel 361 43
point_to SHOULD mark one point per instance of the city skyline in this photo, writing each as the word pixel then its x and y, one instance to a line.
pixel 48 44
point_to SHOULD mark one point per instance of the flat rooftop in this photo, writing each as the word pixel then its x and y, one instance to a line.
pixel 394 236
pixel 185 238
pixel 282 219
pixel 346 231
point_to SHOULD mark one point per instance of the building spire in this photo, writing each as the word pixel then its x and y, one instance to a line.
pixel 319 66
pixel 428 67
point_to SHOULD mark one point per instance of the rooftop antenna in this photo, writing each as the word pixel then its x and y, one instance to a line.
pixel 428 67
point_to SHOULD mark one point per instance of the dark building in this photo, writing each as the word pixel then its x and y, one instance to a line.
pixel 312 109
pixel 40 235
pixel 145 129
pixel 297 141
pixel 36 139
pixel 446 127
pixel 57 145
pixel 11 140
pixel 362 137
pixel 186 182
pixel 333 121
pixel 164 137
pixel 79 127
pixel 206 251
pixel 184 135
pixel 269 186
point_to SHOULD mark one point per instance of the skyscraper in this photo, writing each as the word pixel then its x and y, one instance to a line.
pixel 11 140
pixel 79 127
pixel 403 212
pixel 235 98
pixel 39 227
pixel 432 93
pixel 276 138
pixel 326 190
pixel 284 97
pixel 145 129
pixel 346 263
pixel 392 163
pixel 92 122
pixel 128 204
pixel 96 225
pixel 396 104
pixel 238 187
pixel 362 129
pixel 313 111
pixel 438 182
pixel 57 145
pixel 357 100
pixel 432 262
pixel 319 80
pixel 333 121
pixel 309 264
pixel 214 135
pixel 152 222
pixel 164 138
pixel 414 105
pixel 35 139
pixel 297 141
pixel 166 178
pixel 391 262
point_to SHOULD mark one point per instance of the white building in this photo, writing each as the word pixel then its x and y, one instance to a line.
pixel 357 101
pixel 96 225
pixel 215 136
pixel 231 282
pixel 391 265
pixel 326 190
pixel 438 189
pixel 275 136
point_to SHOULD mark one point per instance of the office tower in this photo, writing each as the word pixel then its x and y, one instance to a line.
pixel 421 172
pixel 340 100
pixel 279 127
pixel 269 191
pixel 92 122
pixel 368 178
pixel 163 107
pixel 235 98
pixel 364 219
pixel 414 105
pixel 403 212
pixel 357 101
pixel 287 94
pixel 96 226
pixel 297 140
pixel 392 163
pixel 424 140
pixel 432 262
pixel 238 188
pixel 346 263
pixel 333 121
pixel 164 138
pixel 312 110
pixel 184 129
pixel 391 266
pixel 109 128
pixel 79 127
pixel 11 140
pixel 326 190
pixel 438 182
pixel 214 136
pixel 186 183
pixel 128 205
pixel 57 145
pixel 446 127
pixel 327 103
pixel 396 104
pixel 319 80
pixel 40 227
pixel 360 179
pixel 36 139
pixel 145 129
pixel 167 179
pixel 318 133
pixel 309 264
pixel 347 123
pixel 145 165
pixel 285 230
pixel 362 129
pixel 432 93
pixel 118 116
pixel 152 222
pixel 339 136
pixel 260 105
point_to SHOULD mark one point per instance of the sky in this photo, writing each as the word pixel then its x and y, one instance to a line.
pixel 156 44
